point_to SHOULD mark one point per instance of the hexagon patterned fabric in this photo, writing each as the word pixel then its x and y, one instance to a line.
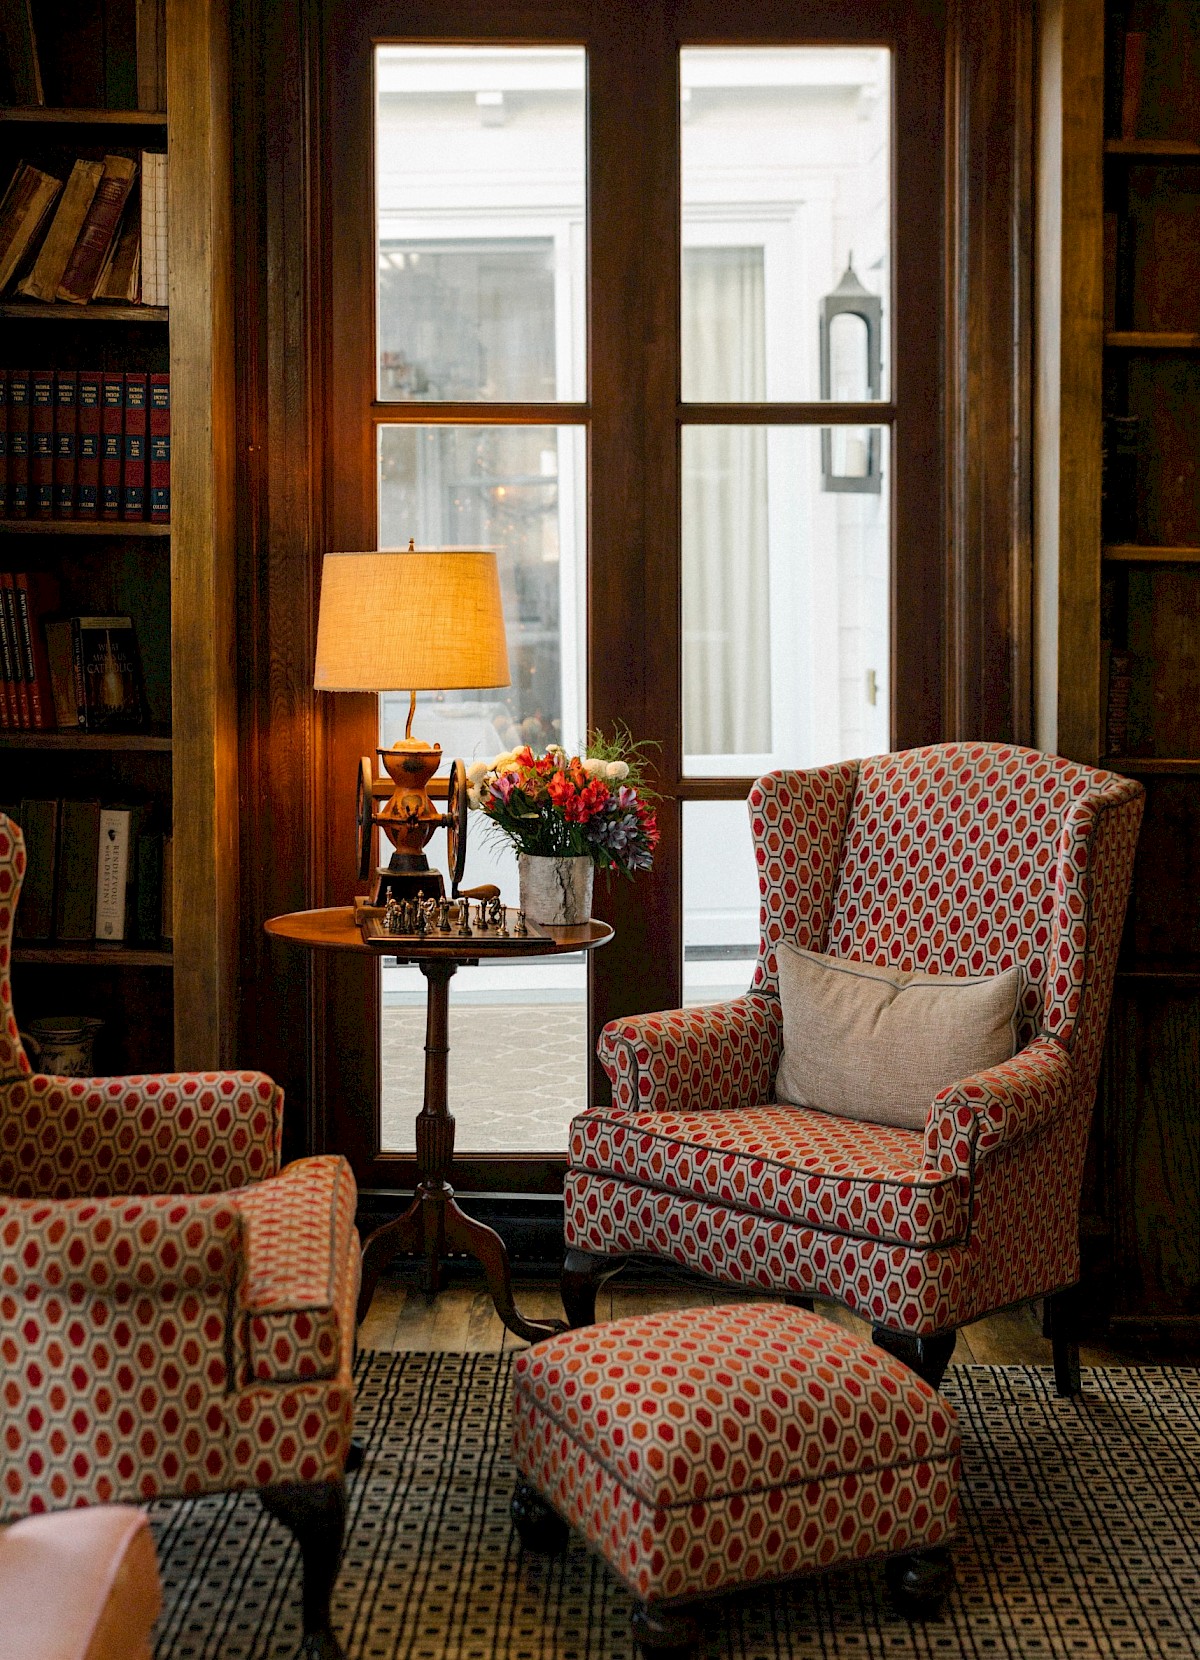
pixel 176 1313
pixel 714 1447
pixel 960 858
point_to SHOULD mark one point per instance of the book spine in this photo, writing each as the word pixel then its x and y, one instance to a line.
pixel 160 448
pixel 18 444
pixel 3 443
pixel 161 227
pixel 19 696
pixel 35 913
pixel 33 651
pixel 148 901
pixel 60 654
pixel 79 672
pixel 78 854
pixel 133 479
pixel 66 421
pixel 112 874
pixel 8 672
pixel 99 228
pixel 112 443
pixel 88 501
pixel 167 924
pixel 41 435
pixel 149 202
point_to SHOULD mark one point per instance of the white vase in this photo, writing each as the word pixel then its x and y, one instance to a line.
pixel 557 892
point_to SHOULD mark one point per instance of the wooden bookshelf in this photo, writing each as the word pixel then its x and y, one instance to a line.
pixel 92 956
pixel 83 527
pixel 97 312
pixel 38 115
pixel 182 573
pixel 1122 554
pixel 113 743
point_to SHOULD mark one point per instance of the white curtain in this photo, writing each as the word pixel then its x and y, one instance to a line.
pixel 726 644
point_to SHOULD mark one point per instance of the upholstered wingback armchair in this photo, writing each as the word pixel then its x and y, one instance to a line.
pixel 955 859
pixel 176 1312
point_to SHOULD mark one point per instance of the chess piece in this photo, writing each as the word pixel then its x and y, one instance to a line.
pixel 521 930
pixel 443 916
pixel 419 921
pixel 464 919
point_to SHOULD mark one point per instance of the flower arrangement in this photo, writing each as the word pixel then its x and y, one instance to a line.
pixel 559 806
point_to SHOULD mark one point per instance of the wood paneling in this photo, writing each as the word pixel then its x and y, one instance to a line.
pixel 203 422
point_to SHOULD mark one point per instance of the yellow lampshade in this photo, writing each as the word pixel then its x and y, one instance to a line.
pixel 426 619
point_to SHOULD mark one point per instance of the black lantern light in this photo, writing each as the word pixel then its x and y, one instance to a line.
pixel 851 372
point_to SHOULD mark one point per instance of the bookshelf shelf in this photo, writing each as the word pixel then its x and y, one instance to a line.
pixel 1151 340
pixel 93 956
pixel 114 742
pixel 35 311
pixel 1168 151
pixel 83 527
pixel 41 116
pixel 1144 553
pixel 1181 971
pixel 1150 766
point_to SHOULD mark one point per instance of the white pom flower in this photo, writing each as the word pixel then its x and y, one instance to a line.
pixel 473 794
pixel 593 767
pixel 478 770
pixel 616 770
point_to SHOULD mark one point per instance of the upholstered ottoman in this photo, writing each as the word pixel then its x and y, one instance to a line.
pixel 715 1448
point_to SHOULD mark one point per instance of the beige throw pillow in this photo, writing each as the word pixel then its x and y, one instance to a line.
pixel 878 1044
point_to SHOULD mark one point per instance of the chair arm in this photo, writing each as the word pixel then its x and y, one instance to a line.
pixel 115 1250
pixel 190 1132
pixel 998 1107
pixel 683 1060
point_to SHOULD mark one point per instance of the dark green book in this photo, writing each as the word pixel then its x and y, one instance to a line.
pixel 148 904
pixel 78 852
pixel 35 908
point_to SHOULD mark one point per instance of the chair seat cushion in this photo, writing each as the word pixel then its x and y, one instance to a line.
pixel 300 1246
pixel 78 1585
pixel 714 1447
pixel 789 1164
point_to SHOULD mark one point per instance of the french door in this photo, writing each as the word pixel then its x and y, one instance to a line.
pixel 649 297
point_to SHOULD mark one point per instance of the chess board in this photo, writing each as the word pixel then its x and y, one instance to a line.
pixel 490 941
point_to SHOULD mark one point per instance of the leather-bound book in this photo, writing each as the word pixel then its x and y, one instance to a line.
pixel 41 444
pixel 66 433
pixel 99 229
pixel 9 713
pixel 35 908
pixel 26 203
pixel 119 275
pixel 18 443
pixel 112 442
pixel 133 475
pixel 3 443
pixel 88 501
pixel 35 595
pixel 69 219
pixel 78 855
pixel 160 448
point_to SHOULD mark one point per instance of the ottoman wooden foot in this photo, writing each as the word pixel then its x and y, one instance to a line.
pixel 540 1528
pixel 664 1633
pixel 918 1582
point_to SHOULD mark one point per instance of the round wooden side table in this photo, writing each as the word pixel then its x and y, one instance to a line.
pixel 435 1223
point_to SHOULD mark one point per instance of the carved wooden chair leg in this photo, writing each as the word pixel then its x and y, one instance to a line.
pixel 540 1526
pixel 664 1633
pixel 928 1357
pixel 1061 1326
pixel 582 1276
pixel 919 1581
pixel 315 1514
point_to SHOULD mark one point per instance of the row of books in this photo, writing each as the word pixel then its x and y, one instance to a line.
pixel 21 79
pixel 85 444
pixel 105 240
pixel 68 673
pixel 93 872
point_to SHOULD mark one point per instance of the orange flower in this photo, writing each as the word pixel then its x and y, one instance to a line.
pixel 560 789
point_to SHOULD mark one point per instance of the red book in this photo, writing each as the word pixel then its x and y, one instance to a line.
pixel 18 443
pixel 18 697
pixel 3 443
pixel 112 443
pixel 160 448
pixel 66 477
pixel 36 596
pixel 133 474
pixel 8 673
pixel 88 500
pixel 41 444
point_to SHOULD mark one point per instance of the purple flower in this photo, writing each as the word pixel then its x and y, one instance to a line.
pixel 503 787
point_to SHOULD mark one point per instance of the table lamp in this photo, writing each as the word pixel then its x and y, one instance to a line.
pixel 415 620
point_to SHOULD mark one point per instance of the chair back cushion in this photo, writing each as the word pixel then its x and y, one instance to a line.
pixel 878 1044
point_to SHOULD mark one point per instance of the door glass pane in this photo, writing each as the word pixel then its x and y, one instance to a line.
pixel 785 596
pixel 786 199
pixel 518 1052
pixel 481 222
pixel 720 901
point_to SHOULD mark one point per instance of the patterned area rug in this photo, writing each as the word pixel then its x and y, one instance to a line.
pixel 1080 1537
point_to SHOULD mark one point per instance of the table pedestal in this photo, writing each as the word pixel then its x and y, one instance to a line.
pixel 434 1223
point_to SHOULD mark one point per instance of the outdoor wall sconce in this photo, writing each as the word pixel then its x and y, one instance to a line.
pixel 851 372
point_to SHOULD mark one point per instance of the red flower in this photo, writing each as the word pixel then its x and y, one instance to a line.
pixel 594 797
pixel 560 790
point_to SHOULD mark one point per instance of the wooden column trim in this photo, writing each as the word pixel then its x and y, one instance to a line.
pixel 203 580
